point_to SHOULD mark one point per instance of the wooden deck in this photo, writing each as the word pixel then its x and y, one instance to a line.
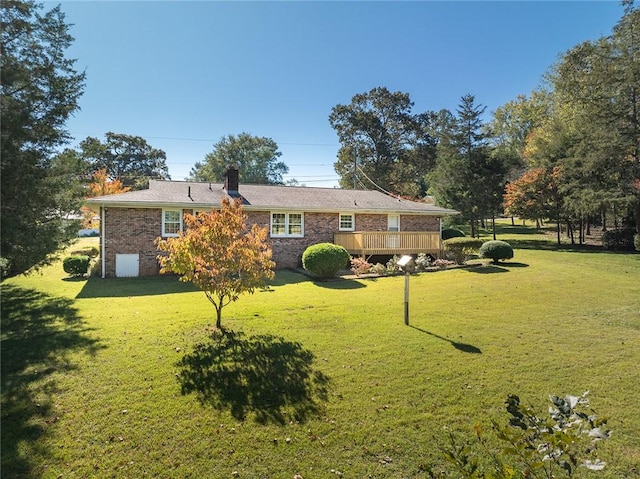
pixel 367 243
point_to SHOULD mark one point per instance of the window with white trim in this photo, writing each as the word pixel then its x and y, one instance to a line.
pixel 171 222
pixel 346 222
pixel 287 225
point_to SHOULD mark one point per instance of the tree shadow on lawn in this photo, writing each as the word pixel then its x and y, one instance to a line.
pixel 125 287
pixel 38 330
pixel 465 348
pixel 501 267
pixel 265 375
pixel 158 285
pixel 339 283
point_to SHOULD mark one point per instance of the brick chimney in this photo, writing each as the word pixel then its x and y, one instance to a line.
pixel 231 181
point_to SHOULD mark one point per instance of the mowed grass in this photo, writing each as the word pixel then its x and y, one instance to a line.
pixel 127 377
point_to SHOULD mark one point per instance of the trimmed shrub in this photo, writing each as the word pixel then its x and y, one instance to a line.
pixel 496 250
pixel 76 265
pixel 620 239
pixel 449 233
pixel 636 241
pixel 90 251
pixel 325 259
pixel 461 249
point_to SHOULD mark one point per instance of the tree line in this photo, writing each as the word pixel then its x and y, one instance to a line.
pixel 567 151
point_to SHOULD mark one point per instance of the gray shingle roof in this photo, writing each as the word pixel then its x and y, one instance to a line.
pixel 185 194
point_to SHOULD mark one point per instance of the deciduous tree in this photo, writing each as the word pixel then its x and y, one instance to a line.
pixel 383 142
pixel 534 195
pixel 102 185
pixel 255 157
pixel 127 158
pixel 219 254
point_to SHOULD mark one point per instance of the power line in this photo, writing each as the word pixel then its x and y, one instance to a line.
pixel 374 184
pixel 209 140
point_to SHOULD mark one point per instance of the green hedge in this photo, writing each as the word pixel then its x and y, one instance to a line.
pixel 449 233
pixel 325 259
pixel 461 249
pixel 76 265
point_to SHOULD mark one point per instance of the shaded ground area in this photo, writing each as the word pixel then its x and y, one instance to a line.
pixel 38 332
pixel 264 375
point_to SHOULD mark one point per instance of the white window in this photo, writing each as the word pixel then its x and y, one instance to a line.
pixel 393 223
pixel 171 222
pixel 347 222
pixel 287 225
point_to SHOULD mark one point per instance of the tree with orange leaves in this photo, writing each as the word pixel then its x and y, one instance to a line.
pixel 219 254
pixel 101 185
pixel 534 195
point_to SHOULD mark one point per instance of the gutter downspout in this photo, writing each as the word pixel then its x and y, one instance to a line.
pixel 440 236
pixel 102 241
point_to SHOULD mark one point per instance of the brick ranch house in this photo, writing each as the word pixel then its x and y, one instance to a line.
pixel 364 222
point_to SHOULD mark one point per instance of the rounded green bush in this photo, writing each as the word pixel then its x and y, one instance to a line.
pixel 496 250
pixel 76 265
pixel 636 241
pixel 449 233
pixel 325 259
pixel 462 248
pixel 619 239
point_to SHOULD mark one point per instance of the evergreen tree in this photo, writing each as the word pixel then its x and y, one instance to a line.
pixel 468 175
pixel 40 89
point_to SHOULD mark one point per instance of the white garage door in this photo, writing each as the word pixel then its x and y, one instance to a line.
pixel 127 265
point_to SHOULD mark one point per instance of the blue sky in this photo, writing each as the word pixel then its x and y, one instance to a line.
pixel 184 74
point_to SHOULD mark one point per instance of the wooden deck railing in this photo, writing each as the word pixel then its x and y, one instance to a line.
pixel 367 243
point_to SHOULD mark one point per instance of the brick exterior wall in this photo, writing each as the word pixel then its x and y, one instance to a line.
pixel 131 231
pixel 134 230
pixel 419 223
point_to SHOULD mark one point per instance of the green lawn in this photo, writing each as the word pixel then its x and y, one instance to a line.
pixel 127 378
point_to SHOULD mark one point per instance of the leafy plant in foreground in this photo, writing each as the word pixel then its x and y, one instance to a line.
pixel 535 446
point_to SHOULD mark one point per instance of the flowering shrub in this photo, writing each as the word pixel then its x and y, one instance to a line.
pixel 378 269
pixel 442 263
pixel 392 265
pixel 360 266
pixel 423 261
